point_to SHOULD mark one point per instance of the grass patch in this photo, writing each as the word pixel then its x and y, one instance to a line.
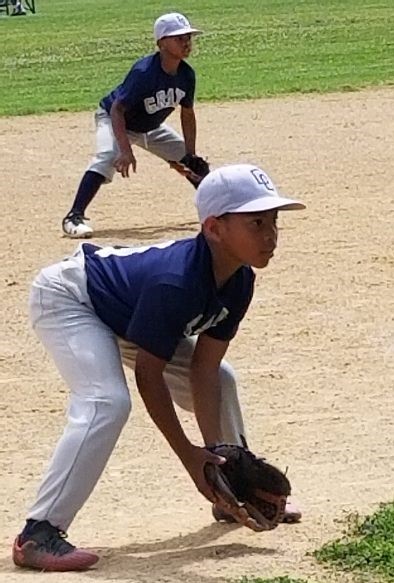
pixel 71 52
pixel 368 547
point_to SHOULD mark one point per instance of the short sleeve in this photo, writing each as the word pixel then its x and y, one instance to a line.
pixel 159 320
pixel 188 99
pixel 130 92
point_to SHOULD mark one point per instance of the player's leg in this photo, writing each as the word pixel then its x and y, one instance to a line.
pixel 86 354
pixel 99 171
pixel 166 143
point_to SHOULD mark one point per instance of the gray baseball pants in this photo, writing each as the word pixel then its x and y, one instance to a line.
pixel 164 142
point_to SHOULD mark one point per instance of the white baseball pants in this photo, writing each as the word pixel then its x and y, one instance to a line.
pixel 89 357
pixel 164 142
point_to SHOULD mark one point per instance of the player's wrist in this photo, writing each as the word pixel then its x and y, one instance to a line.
pixel 212 443
pixel 125 149
pixel 185 450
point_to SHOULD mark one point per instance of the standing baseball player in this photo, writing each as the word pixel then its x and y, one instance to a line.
pixel 168 311
pixel 134 113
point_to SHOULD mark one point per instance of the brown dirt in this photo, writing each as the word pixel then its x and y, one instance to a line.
pixel 314 356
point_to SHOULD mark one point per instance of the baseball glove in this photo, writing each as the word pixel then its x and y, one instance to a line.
pixel 247 488
pixel 192 167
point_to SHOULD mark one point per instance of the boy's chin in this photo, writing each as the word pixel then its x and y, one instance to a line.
pixel 262 262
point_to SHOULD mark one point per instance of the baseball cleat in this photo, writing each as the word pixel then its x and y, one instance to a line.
pixel 292 514
pixel 74 226
pixel 18 11
pixel 44 547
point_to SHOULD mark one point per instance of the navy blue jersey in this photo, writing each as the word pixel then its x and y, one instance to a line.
pixel 155 296
pixel 150 94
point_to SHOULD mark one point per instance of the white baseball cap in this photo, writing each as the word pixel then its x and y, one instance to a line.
pixel 239 188
pixel 173 24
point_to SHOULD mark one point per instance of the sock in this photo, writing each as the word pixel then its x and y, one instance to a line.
pixel 88 188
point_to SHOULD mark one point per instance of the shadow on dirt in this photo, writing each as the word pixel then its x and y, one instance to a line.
pixel 172 559
pixel 148 232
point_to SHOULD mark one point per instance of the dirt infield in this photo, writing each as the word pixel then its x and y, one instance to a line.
pixel 314 355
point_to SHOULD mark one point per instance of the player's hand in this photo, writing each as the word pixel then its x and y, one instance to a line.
pixel 123 161
pixel 195 462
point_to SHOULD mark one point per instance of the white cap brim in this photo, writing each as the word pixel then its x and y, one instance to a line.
pixel 185 30
pixel 269 203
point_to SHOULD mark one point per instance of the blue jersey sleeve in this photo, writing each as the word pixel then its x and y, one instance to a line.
pixel 130 92
pixel 188 99
pixel 159 320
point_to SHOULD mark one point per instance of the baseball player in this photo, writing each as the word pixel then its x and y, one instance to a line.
pixel 134 113
pixel 169 311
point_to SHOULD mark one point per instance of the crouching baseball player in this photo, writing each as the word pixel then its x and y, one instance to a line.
pixel 168 311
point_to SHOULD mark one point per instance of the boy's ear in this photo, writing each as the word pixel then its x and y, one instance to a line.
pixel 211 228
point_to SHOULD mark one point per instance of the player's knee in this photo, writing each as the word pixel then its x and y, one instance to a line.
pixel 118 409
pixel 106 158
pixel 103 164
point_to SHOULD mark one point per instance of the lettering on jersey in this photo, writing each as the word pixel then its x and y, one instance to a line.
pixel 164 99
pixel 261 178
pixel 194 327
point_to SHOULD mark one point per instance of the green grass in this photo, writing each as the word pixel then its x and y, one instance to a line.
pixel 369 547
pixel 72 52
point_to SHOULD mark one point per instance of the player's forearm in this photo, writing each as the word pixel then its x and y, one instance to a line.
pixel 119 127
pixel 206 399
pixel 189 129
pixel 158 402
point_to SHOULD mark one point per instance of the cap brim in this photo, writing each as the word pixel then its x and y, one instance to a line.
pixel 269 203
pixel 185 30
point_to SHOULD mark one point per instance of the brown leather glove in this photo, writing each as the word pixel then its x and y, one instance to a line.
pixel 248 488
pixel 192 167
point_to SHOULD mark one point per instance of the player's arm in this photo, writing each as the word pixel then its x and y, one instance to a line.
pixel 189 129
pixel 204 379
pixel 126 155
pixel 156 396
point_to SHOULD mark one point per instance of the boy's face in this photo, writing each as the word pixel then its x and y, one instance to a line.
pixel 249 238
pixel 178 47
